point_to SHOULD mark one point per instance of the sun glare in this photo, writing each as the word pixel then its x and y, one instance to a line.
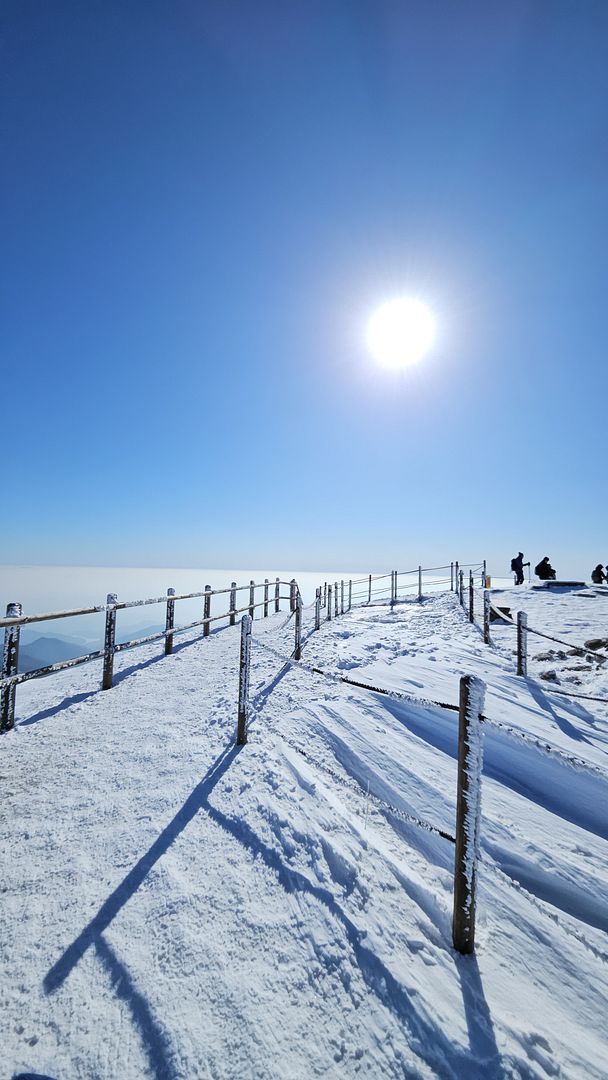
pixel 400 332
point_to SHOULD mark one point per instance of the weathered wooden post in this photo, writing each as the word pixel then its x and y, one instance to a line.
pixel 252 599
pixel 342 597
pixel 328 603
pixel 232 603
pixel 369 590
pixel 483 575
pixel 297 652
pixel 456 575
pixel 461 576
pixel 486 617
pixel 325 595
pixel 350 594
pixel 293 590
pixel 10 665
pixel 522 643
pixel 420 583
pixel 336 602
pixel 207 611
pixel 109 641
pixel 245 658
pixel 318 609
pixel 277 595
pixel 266 598
pixel 451 577
pixel 471 598
pixel 169 621
pixel 468 812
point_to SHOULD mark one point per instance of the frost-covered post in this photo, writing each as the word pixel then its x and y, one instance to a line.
pixel 522 643
pixel 456 575
pixel 265 597
pixel 293 589
pixel 486 617
pixel 325 595
pixel 336 608
pixel 252 599
pixel 342 597
pixel 350 594
pixel 328 602
pixel 483 575
pixel 109 641
pixel 451 577
pixel 245 658
pixel 420 583
pixel 318 609
pixel 468 812
pixel 277 595
pixel 471 598
pixel 207 610
pixel 10 664
pixel 232 603
pixel 297 652
pixel 369 590
pixel 169 621
pixel 461 587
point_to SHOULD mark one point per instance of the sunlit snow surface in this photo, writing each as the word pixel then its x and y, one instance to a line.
pixel 174 907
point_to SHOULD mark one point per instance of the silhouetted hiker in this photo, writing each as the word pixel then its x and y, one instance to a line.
pixel 517 566
pixel 598 576
pixel 544 570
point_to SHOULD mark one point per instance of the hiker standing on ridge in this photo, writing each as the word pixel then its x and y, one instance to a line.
pixel 598 576
pixel 517 566
pixel 544 570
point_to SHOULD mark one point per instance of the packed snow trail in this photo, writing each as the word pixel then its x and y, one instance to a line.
pixel 177 907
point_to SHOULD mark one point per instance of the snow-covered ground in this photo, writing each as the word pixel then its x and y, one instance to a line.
pixel 177 907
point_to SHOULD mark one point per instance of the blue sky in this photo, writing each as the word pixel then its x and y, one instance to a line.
pixel 202 205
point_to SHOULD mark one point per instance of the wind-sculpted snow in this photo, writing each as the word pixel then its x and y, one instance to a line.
pixel 177 907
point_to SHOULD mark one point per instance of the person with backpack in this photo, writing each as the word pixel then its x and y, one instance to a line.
pixel 544 570
pixel 517 566
pixel 598 576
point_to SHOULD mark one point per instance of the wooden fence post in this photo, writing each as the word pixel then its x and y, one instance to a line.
pixel 456 576
pixel 342 597
pixel 252 599
pixel 471 598
pixel 336 607
pixel 232 603
pixel 266 598
pixel 245 658
pixel 207 610
pixel 297 652
pixel 522 643
pixel 169 622
pixel 325 595
pixel 277 595
pixel 420 583
pixel 109 642
pixel 292 595
pixel 10 665
pixel 461 576
pixel 468 812
pixel 369 591
pixel 483 575
pixel 350 594
pixel 328 602
pixel 318 609
pixel 486 617
pixel 451 577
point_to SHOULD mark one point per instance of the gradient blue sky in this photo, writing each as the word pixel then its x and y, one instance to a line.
pixel 202 204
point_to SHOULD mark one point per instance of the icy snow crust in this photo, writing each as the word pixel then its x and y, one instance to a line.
pixel 177 907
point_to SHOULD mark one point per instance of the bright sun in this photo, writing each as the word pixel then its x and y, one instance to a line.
pixel 400 332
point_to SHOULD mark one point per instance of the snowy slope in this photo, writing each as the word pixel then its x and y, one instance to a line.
pixel 177 907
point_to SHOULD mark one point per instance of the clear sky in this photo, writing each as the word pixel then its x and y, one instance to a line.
pixel 203 203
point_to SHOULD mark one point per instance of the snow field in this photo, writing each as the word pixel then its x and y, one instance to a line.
pixel 177 907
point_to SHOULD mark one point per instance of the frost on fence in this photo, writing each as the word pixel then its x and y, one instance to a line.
pixel 468 811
